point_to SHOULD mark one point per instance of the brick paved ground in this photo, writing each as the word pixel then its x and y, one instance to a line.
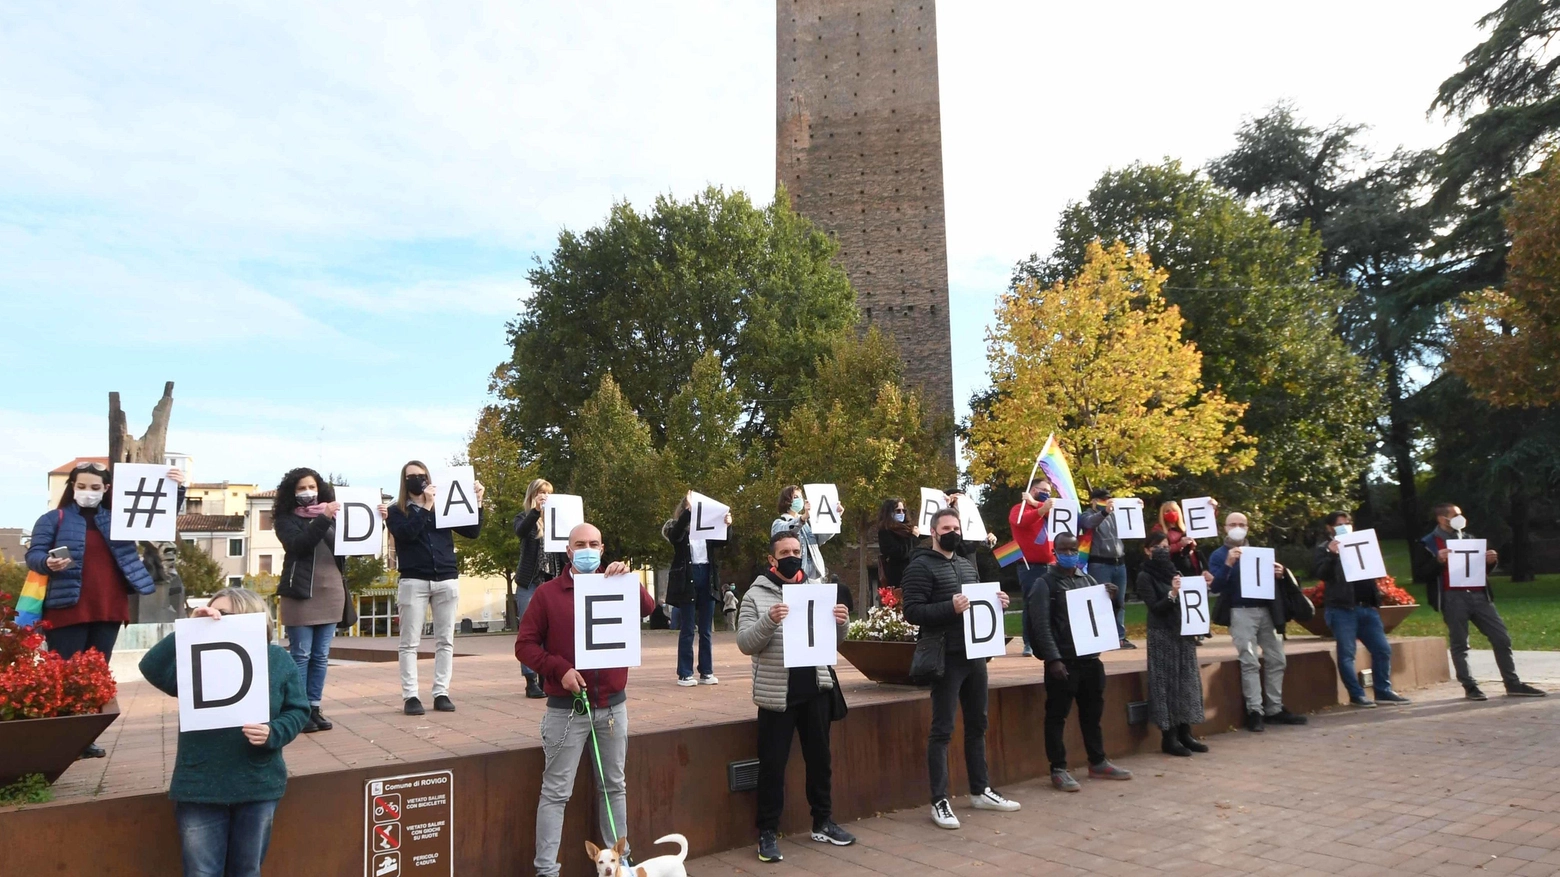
pixel 1443 787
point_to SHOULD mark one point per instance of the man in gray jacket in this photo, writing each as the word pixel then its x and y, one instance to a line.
pixel 791 701
pixel 1107 556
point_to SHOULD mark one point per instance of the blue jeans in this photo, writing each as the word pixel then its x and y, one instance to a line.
pixel 224 840
pixel 1027 576
pixel 704 617
pixel 522 601
pixel 1362 623
pixel 310 648
pixel 1116 574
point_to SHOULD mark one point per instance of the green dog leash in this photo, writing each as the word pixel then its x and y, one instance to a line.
pixel 601 775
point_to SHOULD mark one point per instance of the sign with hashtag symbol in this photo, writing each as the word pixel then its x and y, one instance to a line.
pixel 145 504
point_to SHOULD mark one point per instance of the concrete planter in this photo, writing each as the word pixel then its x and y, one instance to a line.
pixel 1391 617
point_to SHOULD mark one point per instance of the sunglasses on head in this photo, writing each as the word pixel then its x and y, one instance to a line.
pixel 92 467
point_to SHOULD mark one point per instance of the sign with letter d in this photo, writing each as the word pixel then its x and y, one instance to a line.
pixel 223 671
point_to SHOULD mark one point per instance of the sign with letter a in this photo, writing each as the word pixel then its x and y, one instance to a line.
pixel 1194 606
pixel 455 502
pixel 931 502
pixel 1256 573
pixel 807 633
pixel 824 517
pixel 1202 519
pixel 145 503
pixel 1465 566
pixel 223 671
pixel 606 621
pixel 984 635
pixel 1063 519
pixel 1092 620
pixel 359 529
pixel 969 521
pixel 1129 518
pixel 562 513
pixel 1360 554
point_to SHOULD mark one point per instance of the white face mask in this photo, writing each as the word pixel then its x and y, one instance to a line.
pixel 1236 534
pixel 89 499
pixel 1458 523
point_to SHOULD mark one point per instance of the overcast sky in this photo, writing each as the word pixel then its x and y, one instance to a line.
pixel 316 218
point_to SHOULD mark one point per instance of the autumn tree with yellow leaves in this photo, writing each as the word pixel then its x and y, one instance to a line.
pixel 1100 361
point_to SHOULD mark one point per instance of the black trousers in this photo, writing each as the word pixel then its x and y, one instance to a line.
pixel 74 638
pixel 964 685
pixel 1085 683
pixel 810 721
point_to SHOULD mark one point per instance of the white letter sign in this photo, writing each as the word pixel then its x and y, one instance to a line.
pixel 823 517
pixel 455 501
pixel 1194 606
pixel 1465 566
pixel 560 514
pixel 984 635
pixel 1256 573
pixel 145 504
pixel 1092 620
pixel 931 502
pixel 707 519
pixel 606 621
pixel 1202 520
pixel 969 520
pixel 1063 518
pixel 223 671
pixel 808 631
pixel 359 529
pixel 1360 554
pixel 1129 518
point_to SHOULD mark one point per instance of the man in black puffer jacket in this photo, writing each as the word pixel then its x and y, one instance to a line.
pixel 933 587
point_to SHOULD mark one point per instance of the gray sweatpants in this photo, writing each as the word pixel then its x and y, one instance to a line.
pixel 1261 681
pixel 565 740
pixel 1462 605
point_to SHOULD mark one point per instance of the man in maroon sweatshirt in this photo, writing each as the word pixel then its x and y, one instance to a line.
pixel 546 644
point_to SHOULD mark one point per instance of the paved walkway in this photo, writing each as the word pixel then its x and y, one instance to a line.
pixel 1442 787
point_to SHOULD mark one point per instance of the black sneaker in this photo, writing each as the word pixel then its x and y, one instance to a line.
pixel 1472 692
pixel 92 751
pixel 1254 722
pixel 1522 689
pixel 1128 644
pixel 533 688
pixel 1285 717
pixel 1363 703
pixel 769 847
pixel 827 832
pixel 413 707
pixel 309 727
pixel 443 704
pixel 1390 696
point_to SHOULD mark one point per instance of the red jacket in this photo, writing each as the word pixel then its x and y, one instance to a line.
pixel 545 642
pixel 1027 531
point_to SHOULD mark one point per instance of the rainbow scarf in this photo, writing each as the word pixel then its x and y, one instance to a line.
pixel 1054 463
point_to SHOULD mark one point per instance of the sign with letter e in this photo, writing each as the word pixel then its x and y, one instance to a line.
pixel 606 621
pixel 223 671
pixel 1202 518
pixel 1092 620
pixel 1465 564
pixel 808 629
pixel 984 636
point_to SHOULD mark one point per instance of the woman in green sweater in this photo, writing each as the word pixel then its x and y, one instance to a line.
pixel 226 782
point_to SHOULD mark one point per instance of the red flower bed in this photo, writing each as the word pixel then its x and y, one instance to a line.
pixel 1391 594
pixel 36 683
pixel 888 597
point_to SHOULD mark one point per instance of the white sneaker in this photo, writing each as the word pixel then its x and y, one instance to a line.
pixel 990 800
pixel 942 815
pixel 689 682
pixel 709 680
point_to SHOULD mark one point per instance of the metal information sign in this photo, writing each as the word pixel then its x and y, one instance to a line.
pixel 409 825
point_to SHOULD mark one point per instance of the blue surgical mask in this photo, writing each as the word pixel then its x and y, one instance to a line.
pixel 587 560
pixel 899 516
pixel 796 505
pixel 1342 529
pixel 1069 561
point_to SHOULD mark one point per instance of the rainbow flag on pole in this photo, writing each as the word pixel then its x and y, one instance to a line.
pixel 1009 554
pixel 1054 463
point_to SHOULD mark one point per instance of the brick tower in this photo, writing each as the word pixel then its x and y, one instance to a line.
pixel 859 148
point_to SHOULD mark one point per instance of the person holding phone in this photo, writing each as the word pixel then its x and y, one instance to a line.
pixel 227 782
pixel 90 575
pixel 537 565
pixel 312 587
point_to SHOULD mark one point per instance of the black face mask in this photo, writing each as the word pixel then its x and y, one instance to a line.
pixel 416 484
pixel 788 567
pixel 950 540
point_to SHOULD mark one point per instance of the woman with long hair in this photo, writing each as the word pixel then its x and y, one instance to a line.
pixel 312 587
pixel 425 557
pixel 227 782
pixel 1183 550
pixel 896 539
pixel 536 564
pixel 690 589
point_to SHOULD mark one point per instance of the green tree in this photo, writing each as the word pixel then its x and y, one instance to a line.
pixel 12 576
pixel 620 475
pixel 704 446
pixel 1264 324
pixel 644 296
pixel 366 571
pixel 201 574
pixel 500 467
pixel 1100 361
pixel 858 427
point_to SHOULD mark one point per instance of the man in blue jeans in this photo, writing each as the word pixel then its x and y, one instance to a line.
pixel 1107 556
pixel 1352 613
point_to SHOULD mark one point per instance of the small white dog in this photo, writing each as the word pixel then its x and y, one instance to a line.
pixel 609 862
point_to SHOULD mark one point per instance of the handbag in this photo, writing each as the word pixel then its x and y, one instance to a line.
pixel 929 662
pixel 29 603
pixel 837 706
pixel 1297 606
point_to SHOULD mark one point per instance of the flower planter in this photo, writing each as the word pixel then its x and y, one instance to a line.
pixel 49 746
pixel 1391 617
pixel 886 663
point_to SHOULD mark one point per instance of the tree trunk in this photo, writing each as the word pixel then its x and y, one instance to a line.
pixel 1521 537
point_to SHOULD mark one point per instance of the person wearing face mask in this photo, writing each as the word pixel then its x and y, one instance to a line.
pixel 796 516
pixel 537 564
pixel 1107 554
pixel 425 557
pixel 1027 521
pixel 1254 624
pixel 1175 701
pixel 1068 677
pixel 545 643
pixel 896 540
pixel 1460 606
pixel 1353 616
pixel 312 586
pixel 1184 553
pixel 88 595
pixel 792 701
pixel 933 589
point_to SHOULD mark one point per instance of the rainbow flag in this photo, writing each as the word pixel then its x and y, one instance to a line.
pixel 1008 554
pixel 1054 463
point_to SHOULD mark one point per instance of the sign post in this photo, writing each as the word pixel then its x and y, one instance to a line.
pixel 409 825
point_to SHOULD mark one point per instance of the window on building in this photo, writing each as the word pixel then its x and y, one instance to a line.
pixel 235 581
pixel 192 505
pixel 235 548
pixel 265 564
pixel 189 542
pixel 265 519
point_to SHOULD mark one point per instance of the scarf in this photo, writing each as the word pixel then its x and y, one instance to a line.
pixel 1231 543
pixel 310 511
pixel 1158 566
